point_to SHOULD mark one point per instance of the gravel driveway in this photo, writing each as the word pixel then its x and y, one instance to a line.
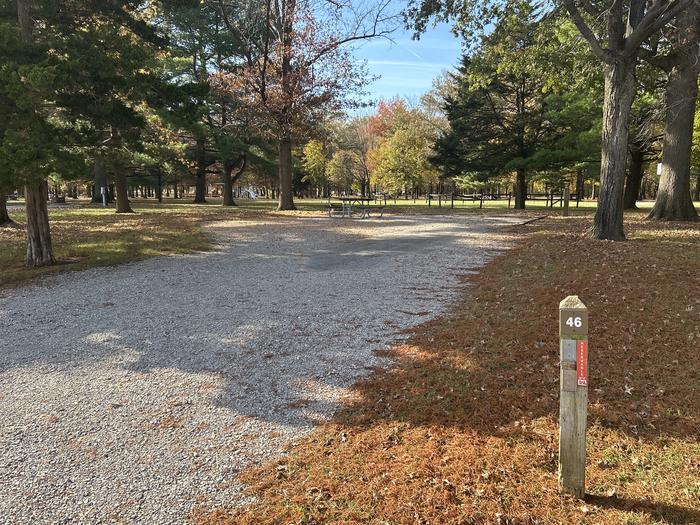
pixel 131 394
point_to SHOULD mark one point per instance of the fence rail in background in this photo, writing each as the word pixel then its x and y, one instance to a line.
pixel 553 197
pixel 471 197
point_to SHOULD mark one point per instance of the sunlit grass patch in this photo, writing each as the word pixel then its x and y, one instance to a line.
pixel 85 237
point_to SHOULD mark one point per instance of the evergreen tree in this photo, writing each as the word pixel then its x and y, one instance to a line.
pixel 616 32
pixel 516 107
pixel 72 76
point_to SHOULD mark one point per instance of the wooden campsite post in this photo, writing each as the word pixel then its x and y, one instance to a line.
pixel 573 391
pixel 567 198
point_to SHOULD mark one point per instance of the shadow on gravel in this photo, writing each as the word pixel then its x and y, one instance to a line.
pixel 285 317
pixel 494 362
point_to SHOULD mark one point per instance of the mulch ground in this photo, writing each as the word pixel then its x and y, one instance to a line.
pixel 463 429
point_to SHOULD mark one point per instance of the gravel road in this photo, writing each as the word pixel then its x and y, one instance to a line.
pixel 131 394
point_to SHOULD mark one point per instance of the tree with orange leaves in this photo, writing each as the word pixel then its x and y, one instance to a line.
pixel 297 65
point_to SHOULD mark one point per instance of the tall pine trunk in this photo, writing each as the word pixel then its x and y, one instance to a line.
pixel 580 185
pixel 122 192
pixel 228 183
pixel 99 177
pixel 200 193
pixel 4 215
pixel 286 197
pixel 39 248
pixel 673 201
pixel 620 88
pixel 520 189
pixel 634 178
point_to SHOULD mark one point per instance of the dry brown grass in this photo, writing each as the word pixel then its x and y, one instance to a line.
pixel 85 236
pixel 463 429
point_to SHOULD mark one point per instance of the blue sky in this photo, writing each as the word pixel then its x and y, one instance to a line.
pixel 407 67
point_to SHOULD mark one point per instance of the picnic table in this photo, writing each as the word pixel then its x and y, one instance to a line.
pixel 345 208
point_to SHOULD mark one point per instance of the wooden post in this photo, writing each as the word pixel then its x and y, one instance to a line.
pixel 567 198
pixel 573 390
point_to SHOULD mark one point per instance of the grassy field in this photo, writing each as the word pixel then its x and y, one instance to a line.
pixel 87 235
pixel 420 206
pixel 417 206
pixel 463 429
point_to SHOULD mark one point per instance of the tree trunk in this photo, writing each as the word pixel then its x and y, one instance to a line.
pixel 580 185
pixel 201 180
pixel 634 178
pixel 230 181
pixel 520 189
pixel 286 197
pixel 286 194
pixel 697 187
pixel 99 174
pixel 673 202
pixel 39 249
pixel 620 88
pixel 122 191
pixel 228 184
pixel 4 215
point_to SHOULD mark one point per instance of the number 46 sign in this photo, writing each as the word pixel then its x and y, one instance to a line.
pixel 573 395
pixel 573 322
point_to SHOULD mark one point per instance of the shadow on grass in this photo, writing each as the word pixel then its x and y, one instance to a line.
pixel 672 514
pixel 495 361
pixel 463 428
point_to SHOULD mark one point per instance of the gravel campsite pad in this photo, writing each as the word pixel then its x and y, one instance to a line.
pixel 131 394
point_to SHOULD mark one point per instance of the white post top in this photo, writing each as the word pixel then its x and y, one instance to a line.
pixel 572 303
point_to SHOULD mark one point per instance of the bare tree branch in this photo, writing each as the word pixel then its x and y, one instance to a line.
pixel 663 62
pixel 380 19
pixel 587 32
pixel 660 14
